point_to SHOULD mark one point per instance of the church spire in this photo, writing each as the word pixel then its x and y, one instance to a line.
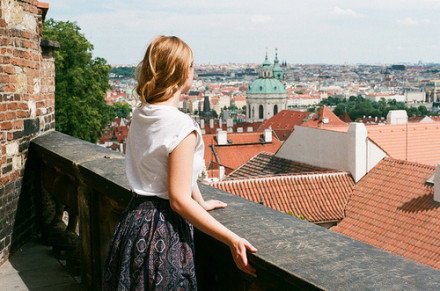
pixel 277 71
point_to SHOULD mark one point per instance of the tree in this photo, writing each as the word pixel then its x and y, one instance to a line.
pixel 340 109
pixel 81 82
pixel 423 110
pixel 122 110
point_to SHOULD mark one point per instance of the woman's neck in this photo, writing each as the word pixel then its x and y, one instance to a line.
pixel 173 101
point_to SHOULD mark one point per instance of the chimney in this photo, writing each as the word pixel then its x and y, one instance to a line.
pixel 250 129
pixel 202 123
pixel 220 124
pixel 437 184
pixel 357 149
pixel 239 129
pixel 229 122
pixel 397 117
pixel 221 173
pixel 268 135
pixel 229 125
pixel 211 123
pixel 222 137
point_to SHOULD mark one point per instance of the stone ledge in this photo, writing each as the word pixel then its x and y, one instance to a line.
pixel 291 252
pixel 49 44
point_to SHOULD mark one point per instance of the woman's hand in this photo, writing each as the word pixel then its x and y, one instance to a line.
pixel 238 247
pixel 213 204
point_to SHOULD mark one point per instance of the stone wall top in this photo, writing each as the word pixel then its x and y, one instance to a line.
pixel 287 247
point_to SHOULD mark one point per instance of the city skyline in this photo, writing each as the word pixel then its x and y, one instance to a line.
pixel 330 32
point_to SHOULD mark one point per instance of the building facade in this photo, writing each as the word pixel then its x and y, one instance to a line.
pixel 267 95
pixel 432 90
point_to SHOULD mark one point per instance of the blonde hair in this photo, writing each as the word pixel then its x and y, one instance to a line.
pixel 163 70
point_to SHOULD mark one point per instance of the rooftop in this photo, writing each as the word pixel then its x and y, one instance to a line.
pixel 264 164
pixel 317 197
pixel 392 208
pixel 416 142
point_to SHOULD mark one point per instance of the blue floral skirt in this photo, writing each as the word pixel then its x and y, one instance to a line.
pixel 152 249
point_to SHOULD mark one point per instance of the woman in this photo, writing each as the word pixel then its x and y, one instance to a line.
pixel 152 247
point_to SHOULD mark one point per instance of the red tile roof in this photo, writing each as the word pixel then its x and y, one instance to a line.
pixel 420 143
pixel 324 112
pixel 392 208
pixel 265 164
pixel 243 147
pixel 318 197
pixel 345 118
pixel 416 142
pixel 284 122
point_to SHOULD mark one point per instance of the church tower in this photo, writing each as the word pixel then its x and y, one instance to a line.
pixel 267 95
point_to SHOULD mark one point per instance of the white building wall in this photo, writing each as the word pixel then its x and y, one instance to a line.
pixel 374 154
pixel 351 151
pixel 322 148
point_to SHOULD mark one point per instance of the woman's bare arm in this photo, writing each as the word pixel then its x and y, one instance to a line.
pixel 179 182
pixel 209 204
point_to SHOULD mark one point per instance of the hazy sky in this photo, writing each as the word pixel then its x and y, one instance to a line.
pixel 238 31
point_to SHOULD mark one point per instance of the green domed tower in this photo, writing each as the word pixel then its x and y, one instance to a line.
pixel 277 71
pixel 267 95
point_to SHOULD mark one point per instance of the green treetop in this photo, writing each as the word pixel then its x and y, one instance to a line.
pixel 81 83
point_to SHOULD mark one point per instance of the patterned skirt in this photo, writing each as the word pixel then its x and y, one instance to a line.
pixel 152 249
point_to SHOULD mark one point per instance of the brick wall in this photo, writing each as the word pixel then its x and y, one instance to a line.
pixel 27 101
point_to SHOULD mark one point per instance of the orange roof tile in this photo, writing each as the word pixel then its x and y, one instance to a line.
pixel 284 122
pixel 392 208
pixel 318 197
pixel 345 118
pixel 265 164
pixel 416 142
pixel 324 112
pixel 243 147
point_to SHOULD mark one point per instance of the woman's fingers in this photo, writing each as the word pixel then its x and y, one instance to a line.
pixel 213 204
pixel 250 247
pixel 240 257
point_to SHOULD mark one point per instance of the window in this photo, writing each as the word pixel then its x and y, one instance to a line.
pixel 275 109
pixel 261 111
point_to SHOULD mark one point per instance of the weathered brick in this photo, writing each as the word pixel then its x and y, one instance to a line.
pixel 22 114
pixel 10 136
pixel 26 34
pixel 13 106
pixel 3 23
pixel 6 169
pixel 18 124
pixel 10 115
pixel 4 79
pixel 7 69
pixel 9 88
pixel 23 146
pixel 6 125
pixel 17 134
pixel 31 126
pixel 2 116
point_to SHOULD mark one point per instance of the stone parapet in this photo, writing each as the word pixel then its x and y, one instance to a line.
pixel 292 254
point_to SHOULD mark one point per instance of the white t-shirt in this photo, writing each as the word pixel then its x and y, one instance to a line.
pixel 155 131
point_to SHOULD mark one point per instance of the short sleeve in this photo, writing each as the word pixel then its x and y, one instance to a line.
pixel 182 128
